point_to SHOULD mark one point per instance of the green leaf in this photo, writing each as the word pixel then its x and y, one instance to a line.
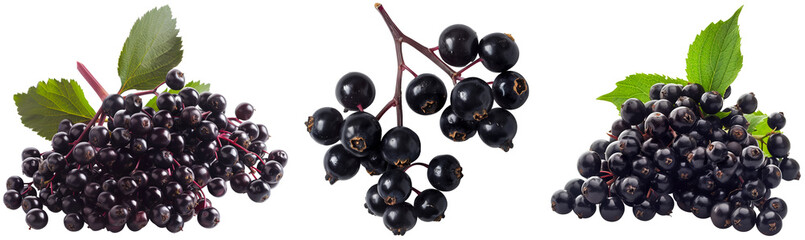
pixel 45 105
pixel 722 114
pixel 151 50
pixel 200 87
pixel 636 86
pixel 714 58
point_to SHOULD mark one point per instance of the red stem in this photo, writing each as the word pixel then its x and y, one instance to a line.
pixel 27 189
pixel 409 70
pixel 399 39
pixel 92 81
pixel 202 193
pixel 611 181
pixel 86 130
pixel 241 147
pixel 102 119
pixel 147 114
pixel 136 166
pixel 468 66
pixel 146 92
pixel 391 103
pixel 414 164
pixel 416 191
pixel 235 119
pixel 83 133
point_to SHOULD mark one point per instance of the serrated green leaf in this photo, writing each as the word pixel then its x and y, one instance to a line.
pixel 636 86
pixel 200 87
pixel 152 49
pixel 714 57
pixel 45 105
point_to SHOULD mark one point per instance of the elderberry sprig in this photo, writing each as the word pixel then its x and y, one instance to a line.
pixel 363 143
pixel 130 164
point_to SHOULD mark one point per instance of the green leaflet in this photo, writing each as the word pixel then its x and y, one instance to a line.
pixel 151 50
pixel 45 105
pixel 636 86
pixel 722 114
pixel 200 87
pixel 714 57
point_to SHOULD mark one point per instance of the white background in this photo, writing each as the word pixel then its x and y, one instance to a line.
pixel 285 60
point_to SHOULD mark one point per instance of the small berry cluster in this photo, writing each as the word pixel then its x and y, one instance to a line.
pixel 472 98
pixel 362 141
pixel 152 165
pixel 675 149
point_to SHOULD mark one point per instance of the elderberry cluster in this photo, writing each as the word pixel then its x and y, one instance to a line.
pixel 362 141
pixel 471 100
pixel 146 165
pixel 388 155
pixel 676 149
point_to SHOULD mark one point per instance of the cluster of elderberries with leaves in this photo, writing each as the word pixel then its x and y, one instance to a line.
pixel 675 144
pixel 390 155
pixel 129 163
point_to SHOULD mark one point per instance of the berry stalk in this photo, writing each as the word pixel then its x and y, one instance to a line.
pixel 220 137
pixel 399 39
pixel 92 81
pixel 388 106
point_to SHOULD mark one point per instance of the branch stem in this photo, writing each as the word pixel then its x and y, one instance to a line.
pixel 92 81
pixel 399 39
pixel 383 111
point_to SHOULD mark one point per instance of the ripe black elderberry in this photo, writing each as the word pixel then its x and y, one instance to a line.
pixel 360 132
pixel 324 125
pixel 498 51
pixel 394 186
pixel 355 91
pixel 498 130
pixel 401 147
pixel 444 172
pixel 456 128
pixel 426 94
pixel 458 45
pixel 472 99
pixel 510 90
